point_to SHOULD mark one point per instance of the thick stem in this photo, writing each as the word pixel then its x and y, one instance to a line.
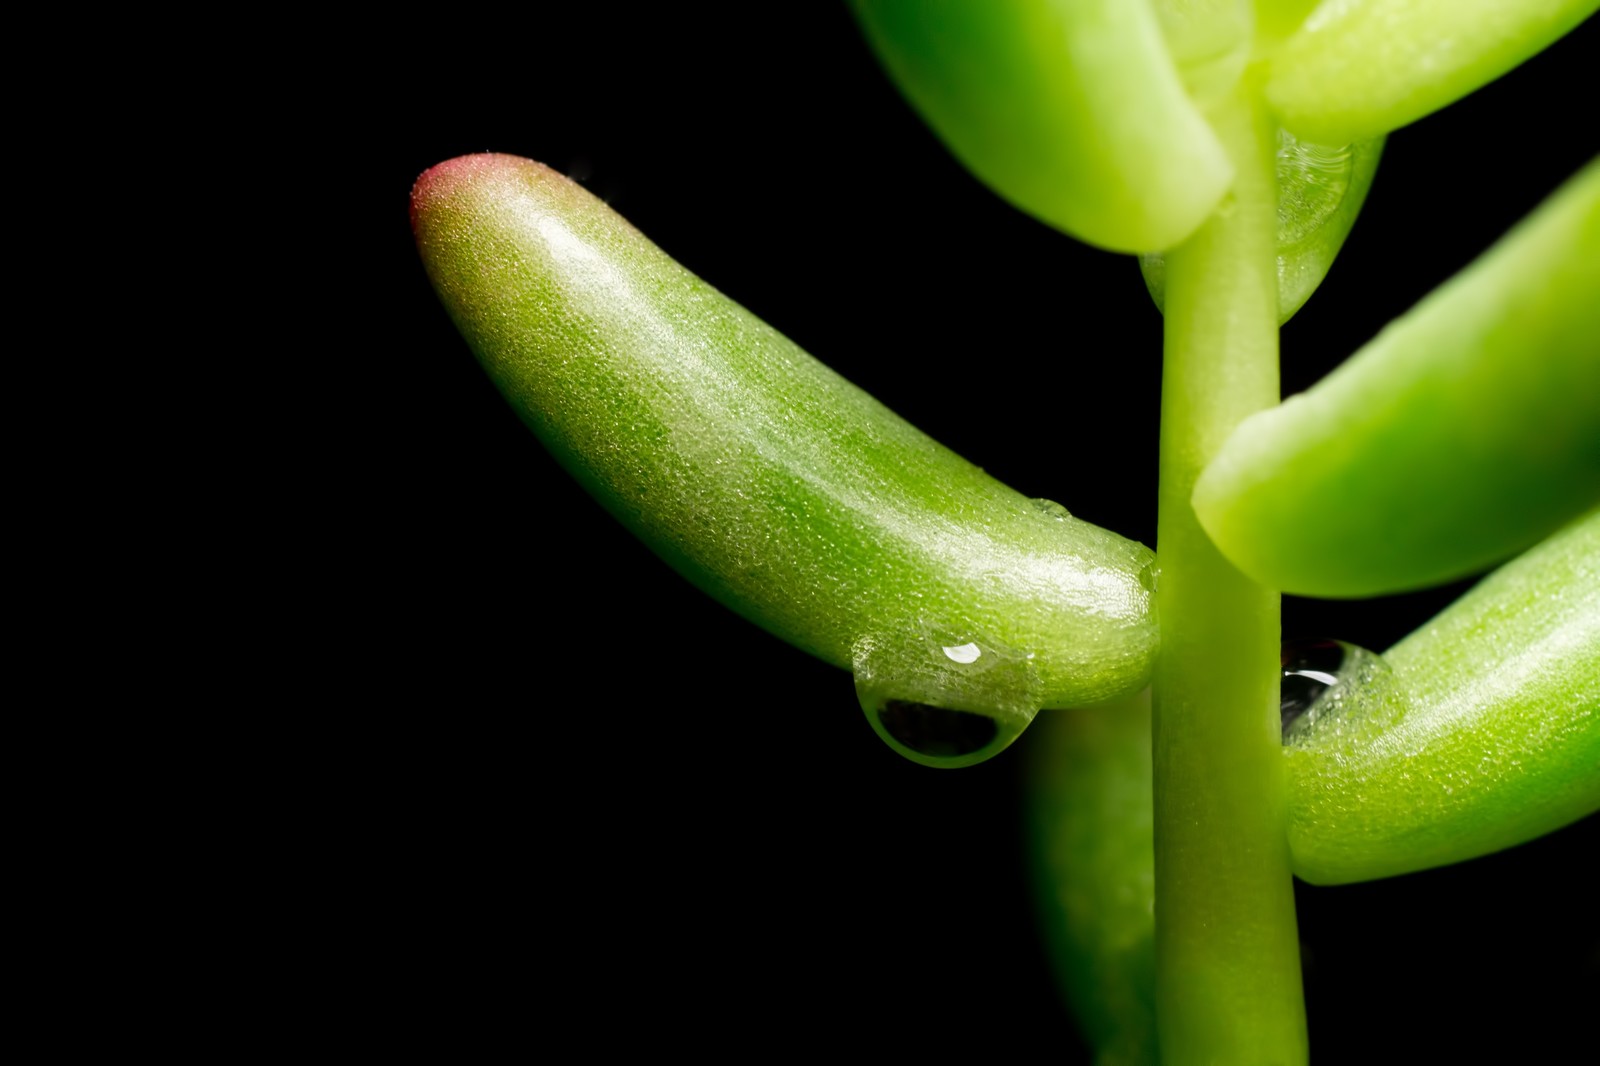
pixel 1228 970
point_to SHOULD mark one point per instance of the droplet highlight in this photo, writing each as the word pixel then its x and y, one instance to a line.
pixel 964 653
pixel 937 732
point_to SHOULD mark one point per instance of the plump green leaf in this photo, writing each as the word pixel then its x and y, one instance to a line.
pixel 1360 68
pixel 1075 112
pixel 770 482
pixel 1484 734
pixel 1464 432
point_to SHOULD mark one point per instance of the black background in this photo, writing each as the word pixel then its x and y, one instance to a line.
pixel 593 801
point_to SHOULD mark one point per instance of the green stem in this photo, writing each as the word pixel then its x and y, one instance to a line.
pixel 1228 960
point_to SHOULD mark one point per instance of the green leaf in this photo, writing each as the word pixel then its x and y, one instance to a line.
pixel 1464 432
pixel 766 479
pixel 1074 112
pixel 1360 68
pixel 1486 733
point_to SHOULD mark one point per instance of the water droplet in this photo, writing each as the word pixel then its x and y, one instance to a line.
pixel 1051 509
pixel 1310 669
pixel 1150 576
pixel 935 731
pixel 1332 691
pixel 945 702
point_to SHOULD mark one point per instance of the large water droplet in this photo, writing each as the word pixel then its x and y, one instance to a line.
pixel 935 731
pixel 1334 691
pixel 945 699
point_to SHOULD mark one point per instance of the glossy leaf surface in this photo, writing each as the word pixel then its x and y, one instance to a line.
pixel 1464 432
pixel 766 479
pixel 1361 68
pixel 1075 112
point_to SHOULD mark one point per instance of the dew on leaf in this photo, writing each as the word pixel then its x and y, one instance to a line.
pixel 1333 692
pixel 942 700
pixel 1051 509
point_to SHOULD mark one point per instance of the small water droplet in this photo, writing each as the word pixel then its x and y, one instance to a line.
pixel 937 732
pixel 1150 576
pixel 1331 691
pixel 1051 509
